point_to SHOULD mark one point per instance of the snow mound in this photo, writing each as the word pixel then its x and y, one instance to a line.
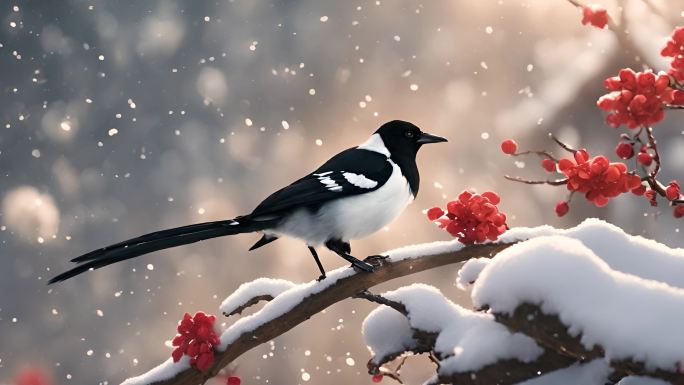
pixel 627 253
pixel 629 316
pixel 164 371
pixel 466 340
pixel 260 287
pixel 387 332
pixel 470 271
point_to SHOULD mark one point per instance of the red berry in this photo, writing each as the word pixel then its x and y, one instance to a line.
pixel 509 146
pixel 672 190
pixel 492 197
pixel 624 150
pixel 641 190
pixel 595 15
pixel 645 158
pixel 548 165
pixel 562 208
pixel 233 380
pixel 377 378
pixel 679 211
pixel 434 213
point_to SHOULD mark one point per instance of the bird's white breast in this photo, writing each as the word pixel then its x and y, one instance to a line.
pixel 351 217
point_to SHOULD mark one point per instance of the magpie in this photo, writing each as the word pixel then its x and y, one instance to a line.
pixel 354 194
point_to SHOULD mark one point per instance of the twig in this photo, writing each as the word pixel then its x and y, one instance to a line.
pixel 557 182
pixel 563 145
pixel 398 306
pixel 251 302
pixel 541 153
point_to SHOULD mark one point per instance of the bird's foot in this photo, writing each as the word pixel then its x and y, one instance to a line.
pixel 363 266
pixel 321 277
pixel 376 260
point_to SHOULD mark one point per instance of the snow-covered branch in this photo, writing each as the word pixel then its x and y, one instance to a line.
pixel 586 301
pixel 290 307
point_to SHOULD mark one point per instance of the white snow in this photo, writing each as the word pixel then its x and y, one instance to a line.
pixel 629 316
pixel 630 254
pixel 387 331
pixel 256 288
pixel 281 305
pixel 469 272
pixel 164 371
pixel 591 373
pixel 466 340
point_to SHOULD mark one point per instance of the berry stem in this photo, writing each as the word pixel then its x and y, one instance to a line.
pixel 656 155
pixel 557 182
pixel 563 145
pixel 541 153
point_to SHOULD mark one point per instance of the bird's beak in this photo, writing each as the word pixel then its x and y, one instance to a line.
pixel 426 138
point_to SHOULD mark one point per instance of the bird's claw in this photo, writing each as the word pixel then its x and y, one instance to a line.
pixel 321 277
pixel 363 266
pixel 376 260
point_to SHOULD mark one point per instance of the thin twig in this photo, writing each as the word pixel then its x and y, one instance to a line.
pixel 398 306
pixel 541 153
pixel 656 156
pixel 563 145
pixel 557 182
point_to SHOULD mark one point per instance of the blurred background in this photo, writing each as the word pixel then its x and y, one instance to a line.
pixel 120 118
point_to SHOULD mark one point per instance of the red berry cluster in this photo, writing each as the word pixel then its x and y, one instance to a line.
pixel 377 378
pixel 595 15
pixel 471 218
pixel 675 49
pixel 637 98
pixel 598 178
pixel 196 338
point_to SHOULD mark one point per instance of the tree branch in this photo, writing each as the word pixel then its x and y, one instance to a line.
pixel 348 286
pixel 551 333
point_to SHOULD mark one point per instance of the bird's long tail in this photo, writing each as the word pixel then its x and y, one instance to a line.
pixel 160 240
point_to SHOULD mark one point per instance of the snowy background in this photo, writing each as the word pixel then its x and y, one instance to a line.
pixel 119 118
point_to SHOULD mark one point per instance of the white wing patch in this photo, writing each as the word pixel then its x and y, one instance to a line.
pixel 328 182
pixel 359 180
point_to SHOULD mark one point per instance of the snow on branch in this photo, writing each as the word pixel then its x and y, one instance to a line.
pixel 468 347
pixel 549 302
pixel 300 302
pixel 567 297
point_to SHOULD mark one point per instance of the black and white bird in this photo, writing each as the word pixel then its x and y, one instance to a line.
pixel 354 194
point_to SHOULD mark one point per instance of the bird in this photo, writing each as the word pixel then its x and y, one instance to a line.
pixel 354 194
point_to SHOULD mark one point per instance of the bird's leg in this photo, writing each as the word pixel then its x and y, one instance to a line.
pixel 318 262
pixel 339 247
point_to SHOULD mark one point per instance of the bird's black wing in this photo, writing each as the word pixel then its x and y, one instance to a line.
pixel 351 172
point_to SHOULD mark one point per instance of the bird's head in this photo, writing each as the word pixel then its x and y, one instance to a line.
pixel 402 137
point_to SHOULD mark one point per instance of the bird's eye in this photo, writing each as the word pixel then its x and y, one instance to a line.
pixel 408 134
